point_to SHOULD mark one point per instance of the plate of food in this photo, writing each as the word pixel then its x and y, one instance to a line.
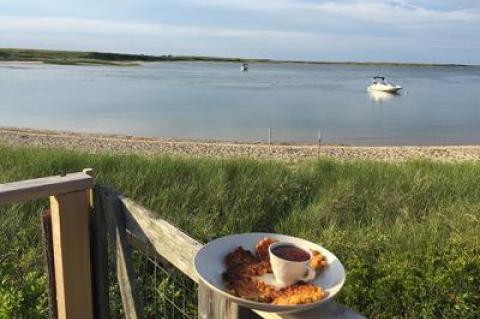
pixel 270 272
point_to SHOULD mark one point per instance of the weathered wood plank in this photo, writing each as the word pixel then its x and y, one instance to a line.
pixel 179 249
pixel 70 220
pixel 44 187
pixel 71 248
pixel 131 302
pixel 100 260
pixel 141 244
pixel 48 241
pixel 214 306
pixel 171 243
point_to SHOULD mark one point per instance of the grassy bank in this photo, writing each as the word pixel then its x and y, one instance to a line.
pixel 407 233
pixel 107 58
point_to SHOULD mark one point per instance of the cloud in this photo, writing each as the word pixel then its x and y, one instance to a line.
pixel 99 26
pixel 399 12
pixel 396 12
pixel 356 30
pixel 252 4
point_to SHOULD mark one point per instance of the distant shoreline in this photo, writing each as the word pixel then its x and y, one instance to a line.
pixel 121 59
pixel 121 144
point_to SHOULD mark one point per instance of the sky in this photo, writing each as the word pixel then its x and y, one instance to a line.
pixel 432 31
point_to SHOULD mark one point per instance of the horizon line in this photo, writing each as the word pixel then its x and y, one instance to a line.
pixel 252 59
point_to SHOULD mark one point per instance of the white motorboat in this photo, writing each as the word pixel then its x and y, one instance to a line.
pixel 244 67
pixel 380 84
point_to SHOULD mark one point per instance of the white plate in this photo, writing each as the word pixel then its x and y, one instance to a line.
pixel 208 263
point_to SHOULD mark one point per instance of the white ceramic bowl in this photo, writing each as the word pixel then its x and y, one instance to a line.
pixel 208 263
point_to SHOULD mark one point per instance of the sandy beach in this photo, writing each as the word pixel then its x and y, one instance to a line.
pixel 119 144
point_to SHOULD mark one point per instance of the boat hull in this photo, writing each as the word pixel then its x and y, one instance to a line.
pixel 384 88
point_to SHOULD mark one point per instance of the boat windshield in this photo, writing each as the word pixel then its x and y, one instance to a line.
pixel 380 81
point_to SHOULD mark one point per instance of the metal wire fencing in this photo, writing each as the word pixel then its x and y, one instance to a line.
pixel 165 292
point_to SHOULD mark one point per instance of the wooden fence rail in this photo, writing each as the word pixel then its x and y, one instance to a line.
pixel 80 221
pixel 147 229
pixel 70 210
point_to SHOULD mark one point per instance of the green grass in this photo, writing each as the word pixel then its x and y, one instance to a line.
pixel 106 58
pixel 101 58
pixel 408 233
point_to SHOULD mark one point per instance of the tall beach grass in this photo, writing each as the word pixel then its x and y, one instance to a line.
pixel 407 233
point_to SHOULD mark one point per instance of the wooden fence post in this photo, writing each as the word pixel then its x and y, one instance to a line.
pixel 214 306
pixel 47 237
pixel 132 304
pixel 71 248
pixel 99 247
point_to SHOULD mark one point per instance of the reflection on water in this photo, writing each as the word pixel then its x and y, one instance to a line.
pixel 216 101
pixel 380 97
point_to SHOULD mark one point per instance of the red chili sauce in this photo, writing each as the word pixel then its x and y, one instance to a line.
pixel 291 253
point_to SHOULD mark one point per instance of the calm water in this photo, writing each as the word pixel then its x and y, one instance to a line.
pixel 217 101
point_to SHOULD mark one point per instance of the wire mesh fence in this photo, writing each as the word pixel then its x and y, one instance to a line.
pixel 165 292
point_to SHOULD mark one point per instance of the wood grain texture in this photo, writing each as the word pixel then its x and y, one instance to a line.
pixel 71 248
pixel 99 248
pixel 144 246
pixel 49 264
pixel 132 305
pixel 44 187
pixel 213 306
pixel 169 242
pixel 179 250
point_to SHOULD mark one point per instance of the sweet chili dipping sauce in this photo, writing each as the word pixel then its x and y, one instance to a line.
pixel 291 253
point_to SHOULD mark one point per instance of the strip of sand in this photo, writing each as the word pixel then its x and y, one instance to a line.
pixel 120 144
pixel 8 62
